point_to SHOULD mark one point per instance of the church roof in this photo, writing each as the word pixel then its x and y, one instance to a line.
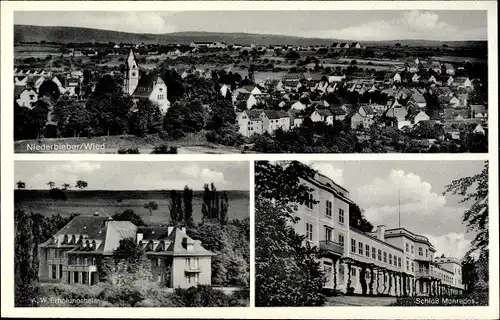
pixel 146 84
pixel 131 53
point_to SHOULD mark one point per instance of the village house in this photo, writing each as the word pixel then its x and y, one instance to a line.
pixel 72 255
pixel 273 120
pixel 479 111
pixel 249 122
pixel 27 98
pixel 418 116
pixel 296 118
pixel 363 116
pixel 418 99
pixel 322 115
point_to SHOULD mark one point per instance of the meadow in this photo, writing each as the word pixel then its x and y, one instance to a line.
pixel 110 202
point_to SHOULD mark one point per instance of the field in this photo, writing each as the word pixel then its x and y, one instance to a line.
pixel 190 144
pixel 107 203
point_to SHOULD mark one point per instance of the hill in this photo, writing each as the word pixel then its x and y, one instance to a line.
pixel 29 33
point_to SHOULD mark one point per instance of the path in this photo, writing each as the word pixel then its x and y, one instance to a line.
pixel 359 301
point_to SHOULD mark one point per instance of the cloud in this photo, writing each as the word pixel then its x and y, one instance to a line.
pixel 408 25
pixel 421 208
pixel 80 166
pixel 67 172
pixel 337 175
pixel 451 244
pixel 207 175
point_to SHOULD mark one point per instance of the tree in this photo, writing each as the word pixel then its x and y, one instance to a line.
pixel 49 88
pixel 66 186
pixel 187 197
pixel 80 184
pixel 51 184
pixel 147 118
pixel 476 217
pixel 25 270
pixel 20 185
pixel 175 207
pixel 215 204
pixel 287 270
pixel 221 114
pixel 292 55
pixel 184 117
pixel 129 251
pixel 129 215
pixel 357 219
pixel 151 206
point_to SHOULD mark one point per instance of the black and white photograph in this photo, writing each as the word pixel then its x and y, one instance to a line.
pixel 371 233
pixel 218 82
pixel 131 234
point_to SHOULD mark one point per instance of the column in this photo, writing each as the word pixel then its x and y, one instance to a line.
pixel 89 278
pixel 372 280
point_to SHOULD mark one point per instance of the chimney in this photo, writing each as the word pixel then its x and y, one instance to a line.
pixel 170 229
pixel 139 236
pixel 381 232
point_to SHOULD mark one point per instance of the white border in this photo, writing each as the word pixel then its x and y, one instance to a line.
pixel 7 8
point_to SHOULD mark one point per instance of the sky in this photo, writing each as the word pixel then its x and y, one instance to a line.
pixel 374 186
pixel 134 175
pixel 360 25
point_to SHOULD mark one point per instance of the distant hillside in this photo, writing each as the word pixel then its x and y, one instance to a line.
pixel 27 33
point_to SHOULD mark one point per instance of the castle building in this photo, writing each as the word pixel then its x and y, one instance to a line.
pixel 73 254
pixel 393 262
pixel 144 85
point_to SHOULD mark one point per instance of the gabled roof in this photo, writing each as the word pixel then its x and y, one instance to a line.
pixel 418 98
pixel 479 108
pixel 254 114
pixel 324 112
pixel 276 114
pixel 145 85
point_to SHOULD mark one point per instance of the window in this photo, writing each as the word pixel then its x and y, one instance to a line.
pixel 78 261
pixel 385 257
pixel 341 215
pixel 53 271
pixel 353 271
pixel 407 264
pixel 390 258
pixel 426 253
pixel 93 261
pixel 328 209
pixel 399 262
pixel 367 251
pixel 413 267
pixel 411 249
pixel 309 231
pixel 374 255
pixel 353 245
pixel 360 248
pixel 407 248
pixel 379 255
pixel 341 240
pixel 85 262
pixel 158 262
pixel 328 234
pixel 160 97
pixel 75 277
pixel 420 251
pixel 133 74
pixel 309 201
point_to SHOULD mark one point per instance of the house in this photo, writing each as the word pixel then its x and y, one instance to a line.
pixel 272 120
pixel 418 116
pixel 432 79
pixel 363 116
pixel 478 129
pixel 297 118
pixel 249 122
pixel 462 82
pixel 412 67
pixel 224 90
pixel 355 45
pixel 436 67
pixel 300 104
pixel 396 78
pixel 339 114
pixel 252 89
pixel 455 114
pixel 332 79
pixel 322 115
pixel 344 45
pixel 418 99
pixel 450 70
pixel 415 78
pixel 152 87
pixel 248 99
pixel 27 98
pixel 397 114
pixel 479 111
pixel 72 255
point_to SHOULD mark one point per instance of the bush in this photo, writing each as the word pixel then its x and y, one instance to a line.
pixel 204 296
pixel 226 136
pixel 164 149
pixel 128 151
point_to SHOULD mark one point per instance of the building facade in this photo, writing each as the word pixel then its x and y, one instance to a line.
pixel 74 253
pixel 392 262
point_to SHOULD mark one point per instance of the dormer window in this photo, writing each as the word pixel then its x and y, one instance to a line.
pixel 133 74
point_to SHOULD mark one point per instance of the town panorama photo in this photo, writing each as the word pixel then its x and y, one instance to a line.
pixel 218 82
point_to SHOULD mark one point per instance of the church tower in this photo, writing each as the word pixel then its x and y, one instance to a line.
pixel 131 76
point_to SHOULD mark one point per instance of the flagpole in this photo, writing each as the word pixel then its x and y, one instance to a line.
pixel 399 208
